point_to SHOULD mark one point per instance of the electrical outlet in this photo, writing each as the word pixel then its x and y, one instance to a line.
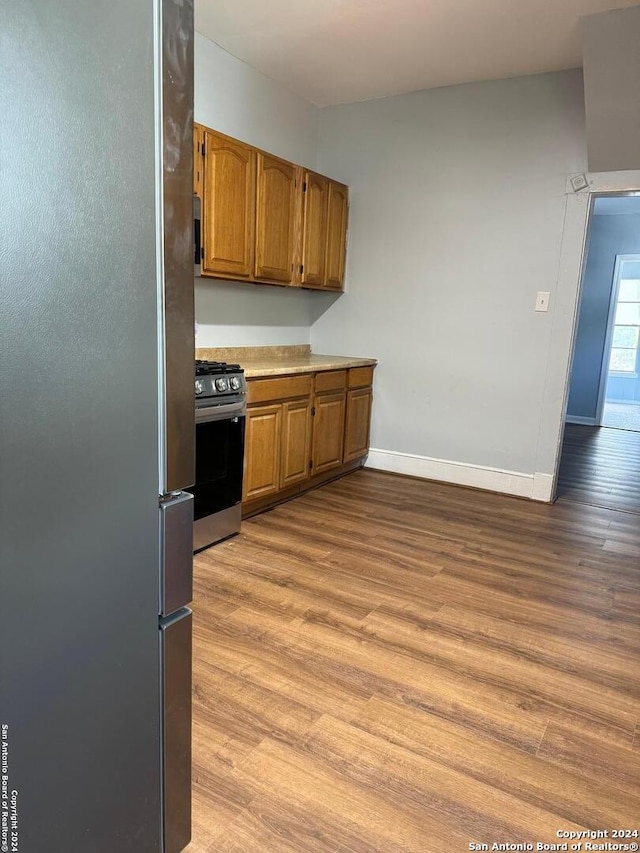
pixel 542 300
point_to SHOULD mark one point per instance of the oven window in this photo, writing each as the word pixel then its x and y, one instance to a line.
pixel 219 459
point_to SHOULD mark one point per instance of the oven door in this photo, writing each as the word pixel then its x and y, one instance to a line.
pixel 219 458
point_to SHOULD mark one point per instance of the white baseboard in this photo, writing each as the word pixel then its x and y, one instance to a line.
pixel 538 487
pixel 577 419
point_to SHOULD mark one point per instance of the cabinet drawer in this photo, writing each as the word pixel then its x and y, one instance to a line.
pixel 360 377
pixel 284 388
pixel 331 380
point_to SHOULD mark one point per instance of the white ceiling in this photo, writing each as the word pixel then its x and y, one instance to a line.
pixel 337 51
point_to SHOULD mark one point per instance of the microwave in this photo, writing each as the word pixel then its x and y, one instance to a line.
pixel 197 235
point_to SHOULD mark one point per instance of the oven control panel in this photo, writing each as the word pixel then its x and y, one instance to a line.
pixel 219 380
pixel 207 386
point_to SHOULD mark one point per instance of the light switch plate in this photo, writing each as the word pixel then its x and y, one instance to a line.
pixel 542 300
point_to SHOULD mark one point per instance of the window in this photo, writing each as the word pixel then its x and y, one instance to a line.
pixel 626 330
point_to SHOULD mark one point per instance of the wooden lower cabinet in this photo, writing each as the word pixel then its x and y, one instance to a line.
pixel 262 452
pixel 328 431
pixel 358 423
pixel 304 430
pixel 296 442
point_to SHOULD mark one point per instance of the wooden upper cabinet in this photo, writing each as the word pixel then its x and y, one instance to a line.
pixel 336 235
pixel 228 215
pixel 275 215
pixel 314 229
pixel 266 220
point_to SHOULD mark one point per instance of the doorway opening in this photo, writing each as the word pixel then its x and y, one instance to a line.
pixel 600 454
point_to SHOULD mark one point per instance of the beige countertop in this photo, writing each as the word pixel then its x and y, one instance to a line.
pixel 280 361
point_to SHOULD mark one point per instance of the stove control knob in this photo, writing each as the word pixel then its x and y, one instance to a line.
pixel 199 386
pixel 235 383
pixel 222 384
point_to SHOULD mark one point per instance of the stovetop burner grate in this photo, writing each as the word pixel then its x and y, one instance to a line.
pixel 216 368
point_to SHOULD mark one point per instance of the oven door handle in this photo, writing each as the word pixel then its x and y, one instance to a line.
pixel 223 412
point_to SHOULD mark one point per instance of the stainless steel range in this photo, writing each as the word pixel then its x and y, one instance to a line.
pixel 220 391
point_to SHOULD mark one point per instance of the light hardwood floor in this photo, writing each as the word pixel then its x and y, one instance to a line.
pixel 387 664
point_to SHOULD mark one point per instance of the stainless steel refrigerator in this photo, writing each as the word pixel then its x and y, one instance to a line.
pixel 96 424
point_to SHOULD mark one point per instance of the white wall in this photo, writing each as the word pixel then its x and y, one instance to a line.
pixel 456 220
pixel 235 99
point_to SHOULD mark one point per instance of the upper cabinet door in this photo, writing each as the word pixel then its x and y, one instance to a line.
pixel 275 213
pixel 314 236
pixel 228 208
pixel 336 235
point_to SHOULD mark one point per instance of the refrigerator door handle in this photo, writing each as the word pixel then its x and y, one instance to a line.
pixel 176 552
